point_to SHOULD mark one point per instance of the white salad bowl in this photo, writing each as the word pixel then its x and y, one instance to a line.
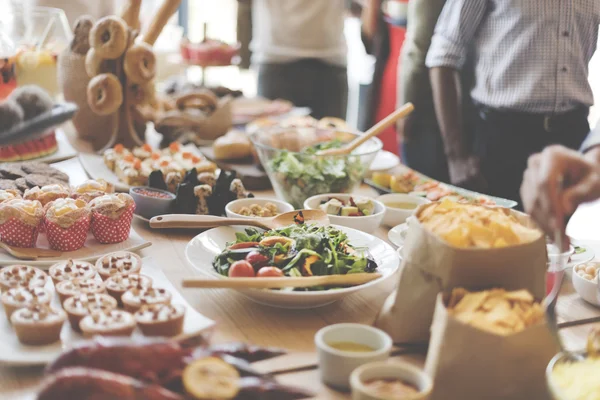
pixel 389 370
pixel 201 251
pixel 587 290
pixel 367 223
pixel 396 216
pixel 232 208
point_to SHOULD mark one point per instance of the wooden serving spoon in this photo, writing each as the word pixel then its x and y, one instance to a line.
pixel 209 221
pixel 379 127
pixel 23 253
pixel 279 283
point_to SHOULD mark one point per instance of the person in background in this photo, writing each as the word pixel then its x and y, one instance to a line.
pixel 75 8
pixel 531 88
pixel 300 51
pixel 558 180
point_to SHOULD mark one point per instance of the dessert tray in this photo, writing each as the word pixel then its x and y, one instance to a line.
pixel 13 353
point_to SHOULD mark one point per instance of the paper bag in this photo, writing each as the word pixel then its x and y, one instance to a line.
pixel 468 363
pixel 430 265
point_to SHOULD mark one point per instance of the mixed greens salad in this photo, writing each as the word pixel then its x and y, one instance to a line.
pixel 302 175
pixel 296 251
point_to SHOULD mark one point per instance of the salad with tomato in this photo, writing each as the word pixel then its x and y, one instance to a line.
pixel 296 250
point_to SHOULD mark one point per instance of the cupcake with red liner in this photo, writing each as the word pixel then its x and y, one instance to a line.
pixel 67 223
pixel 111 217
pixel 91 189
pixel 47 194
pixel 20 222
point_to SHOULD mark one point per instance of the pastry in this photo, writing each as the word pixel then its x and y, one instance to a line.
pixel 235 145
pixel 121 262
pixel 111 156
pixel 20 222
pixel 12 171
pixel 43 169
pixel 96 65
pixel 38 324
pixel 70 269
pixel 111 217
pixel 207 178
pixel 202 193
pixel 144 152
pixel 172 180
pixel 109 37
pixel 67 223
pixel 117 285
pixel 9 194
pixel 75 287
pixel 160 319
pixel 91 189
pixel 108 323
pixel 140 63
pixel 78 307
pixel 105 94
pixel 132 171
pixel 22 276
pixel 135 298
pixel 19 297
pixel 48 193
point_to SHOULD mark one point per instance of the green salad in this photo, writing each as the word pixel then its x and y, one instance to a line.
pixel 302 175
pixel 296 251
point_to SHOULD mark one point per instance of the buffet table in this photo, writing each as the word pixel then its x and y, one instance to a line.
pixel 240 319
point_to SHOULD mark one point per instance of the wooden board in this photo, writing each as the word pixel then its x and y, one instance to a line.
pixel 252 175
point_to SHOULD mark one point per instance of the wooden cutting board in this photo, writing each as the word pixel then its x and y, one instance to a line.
pixel 252 175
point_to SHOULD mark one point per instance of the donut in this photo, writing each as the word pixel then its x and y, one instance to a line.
pixel 95 65
pixel 138 94
pixel 105 94
pixel 109 37
pixel 81 34
pixel 140 63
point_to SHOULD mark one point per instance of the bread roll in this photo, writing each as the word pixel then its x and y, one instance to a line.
pixel 235 145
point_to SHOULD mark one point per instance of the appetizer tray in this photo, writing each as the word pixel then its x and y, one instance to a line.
pixel 201 251
pixel 13 353
pixel 96 168
pixel 91 251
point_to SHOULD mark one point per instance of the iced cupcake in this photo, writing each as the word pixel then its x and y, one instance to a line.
pixel 108 323
pixel 78 307
pixel 66 289
pixel 118 263
pixel 67 223
pixel 91 189
pixel 38 324
pixel 111 217
pixel 22 276
pixel 20 222
pixel 19 297
pixel 117 285
pixel 47 194
pixel 70 269
pixel 160 319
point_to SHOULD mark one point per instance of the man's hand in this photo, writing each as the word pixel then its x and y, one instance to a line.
pixel 465 172
pixel 556 182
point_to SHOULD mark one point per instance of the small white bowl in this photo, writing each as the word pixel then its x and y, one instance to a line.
pixel 587 290
pixel 555 257
pixel 397 216
pixel 232 208
pixel 389 370
pixel 335 365
pixel 367 223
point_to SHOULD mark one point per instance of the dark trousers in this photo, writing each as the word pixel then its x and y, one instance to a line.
pixel 505 140
pixel 423 147
pixel 306 83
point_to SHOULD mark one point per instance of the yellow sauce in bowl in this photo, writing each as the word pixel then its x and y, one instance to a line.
pixel 403 205
pixel 351 346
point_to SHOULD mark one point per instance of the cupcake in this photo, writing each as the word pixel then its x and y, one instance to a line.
pixel 91 189
pixel 9 194
pixel 67 223
pixel 38 324
pixel 20 297
pixel 135 298
pixel 117 285
pixel 20 222
pixel 66 289
pixel 47 194
pixel 160 319
pixel 22 276
pixel 108 323
pixel 118 263
pixel 111 217
pixel 111 156
pixel 78 307
pixel 69 270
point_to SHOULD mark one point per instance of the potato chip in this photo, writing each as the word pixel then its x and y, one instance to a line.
pixel 496 310
pixel 475 226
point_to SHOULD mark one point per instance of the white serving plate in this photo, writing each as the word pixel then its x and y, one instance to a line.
pixel 96 169
pixel 201 251
pixel 91 251
pixel 397 235
pixel 13 353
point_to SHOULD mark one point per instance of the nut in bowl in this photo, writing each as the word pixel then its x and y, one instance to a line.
pixel 150 202
pixel 257 208
pixel 398 207
pixel 585 282
pixel 357 212
pixel 389 381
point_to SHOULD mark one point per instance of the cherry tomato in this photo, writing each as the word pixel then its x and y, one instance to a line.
pixel 257 259
pixel 241 269
pixel 266 272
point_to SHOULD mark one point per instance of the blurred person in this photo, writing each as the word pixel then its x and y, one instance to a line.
pixel 300 51
pixel 558 180
pixel 531 88
pixel 75 8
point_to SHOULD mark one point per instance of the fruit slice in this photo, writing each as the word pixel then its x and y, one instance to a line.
pixel 211 378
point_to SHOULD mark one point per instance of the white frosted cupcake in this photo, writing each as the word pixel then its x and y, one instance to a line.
pixel 38 324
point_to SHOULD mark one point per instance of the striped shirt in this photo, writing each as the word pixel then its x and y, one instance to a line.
pixel 530 55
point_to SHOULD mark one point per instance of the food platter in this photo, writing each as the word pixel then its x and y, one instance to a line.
pixel 91 251
pixel 12 353
pixel 201 251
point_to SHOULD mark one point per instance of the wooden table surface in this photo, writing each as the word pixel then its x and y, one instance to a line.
pixel 239 319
